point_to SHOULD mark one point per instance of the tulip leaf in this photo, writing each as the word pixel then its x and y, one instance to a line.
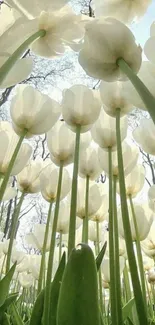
pixel 78 298
pixel 37 312
pixel 11 298
pixel 15 317
pixel 100 256
pixel 127 308
pixel 55 289
pixel 6 320
pixel 5 284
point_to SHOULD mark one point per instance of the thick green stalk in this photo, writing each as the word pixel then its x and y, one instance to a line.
pixel 11 164
pixel 127 283
pixel 142 90
pixel 42 266
pixel 60 246
pixel 116 248
pixel 72 224
pixel 139 252
pixel 6 67
pixel 127 230
pixel 111 245
pixel 99 272
pixel 13 230
pixel 85 220
pixel 51 252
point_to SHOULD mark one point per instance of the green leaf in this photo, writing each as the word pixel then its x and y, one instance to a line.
pixel 11 298
pixel 100 256
pixel 15 317
pixel 37 312
pixel 126 310
pixel 78 298
pixel 6 320
pixel 5 284
pixel 55 290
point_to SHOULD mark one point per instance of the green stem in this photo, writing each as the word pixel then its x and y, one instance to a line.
pixel 127 230
pixel 83 229
pixel 86 209
pixel 51 252
pixel 6 67
pixel 42 266
pixel 13 230
pixel 139 252
pixel 99 272
pixel 72 224
pixel 127 283
pixel 1 214
pixel 142 90
pixel 117 265
pixel 111 245
pixel 60 246
pixel 11 164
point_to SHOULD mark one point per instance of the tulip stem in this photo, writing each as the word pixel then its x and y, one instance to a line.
pixel 11 164
pixel 6 67
pixel 139 252
pixel 85 220
pixel 99 271
pixel 142 90
pixel 72 224
pixel 111 244
pixel 60 246
pixel 46 320
pixel 116 248
pixel 127 230
pixel 13 228
pixel 42 266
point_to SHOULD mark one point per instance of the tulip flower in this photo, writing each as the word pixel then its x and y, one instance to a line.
pixel 106 268
pixel 104 131
pixel 151 276
pixel 9 141
pixel 80 106
pixel 125 11
pixel 36 112
pixel 93 235
pixel 89 164
pixel 28 180
pixel 49 182
pixel 148 245
pixel 95 198
pixel 144 217
pixel 130 157
pixel 35 239
pixel 61 143
pixel 150 44
pixel 151 197
pixel 104 44
pixel 10 192
pixel 113 96
pixel 144 135
pixel 26 7
pixel 26 280
pixel 134 181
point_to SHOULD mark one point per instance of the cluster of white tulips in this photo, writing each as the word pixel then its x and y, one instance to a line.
pixel 94 256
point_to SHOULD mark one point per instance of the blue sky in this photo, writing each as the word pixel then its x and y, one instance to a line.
pixel 141 30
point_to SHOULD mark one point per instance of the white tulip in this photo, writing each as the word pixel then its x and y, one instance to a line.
pixel 8 142
pixel 49 182
pixel 104 131
pixel 80 106
pixel 33 111
pixel 104 44
pixel 130 157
